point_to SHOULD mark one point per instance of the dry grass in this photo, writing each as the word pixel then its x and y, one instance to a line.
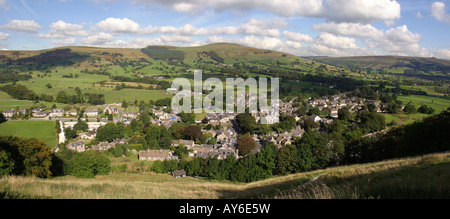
pixel 420 176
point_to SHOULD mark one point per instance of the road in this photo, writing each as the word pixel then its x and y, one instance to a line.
pixel 62 136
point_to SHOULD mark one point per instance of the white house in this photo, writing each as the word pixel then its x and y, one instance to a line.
pixel 57 113
pixel 91 112
pixel 316 118
pixel 9 113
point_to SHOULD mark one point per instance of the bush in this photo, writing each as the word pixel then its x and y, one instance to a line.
pixel 90 163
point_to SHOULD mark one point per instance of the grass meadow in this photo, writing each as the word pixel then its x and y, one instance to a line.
pixel 42 130
pixel 437 103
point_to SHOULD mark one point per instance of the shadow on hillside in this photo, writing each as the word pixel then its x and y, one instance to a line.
pixel 426 180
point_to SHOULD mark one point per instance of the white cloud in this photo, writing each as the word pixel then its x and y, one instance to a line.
pixel 349 29
pixel 61 29
pixel 295 45
pixel 4 36
pixel 4 5
pixel 176 39
pixel 117 25
pixel 401 34
pixel 362 10
pixel 298 37
pixel 99 39
pixel 438 11
pixel 25 26
pixel 336 42
pixel 400 41
pixel 443 54
pixel 338 10
pixel 66 42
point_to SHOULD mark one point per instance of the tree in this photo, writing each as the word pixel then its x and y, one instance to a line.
pixel 119 150
pixel 2 118
pixel 409 108
pixel 344 113
pixel 314 141
pixel 188 118
pixel 267 158
pixel 371 121
pixel 125 104
pixel 24 156
pixel 425 109
pixel 246 123
pixel 110 132
pixel 245 144
pixel 309 124
pixel 194 132
pixel 80 126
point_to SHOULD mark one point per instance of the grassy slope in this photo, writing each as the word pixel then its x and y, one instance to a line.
pixel 42 130
pixel 419 177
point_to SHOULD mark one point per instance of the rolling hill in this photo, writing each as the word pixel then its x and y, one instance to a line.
pixel 429 68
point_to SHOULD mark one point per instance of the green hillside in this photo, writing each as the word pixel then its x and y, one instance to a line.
pixel 428 68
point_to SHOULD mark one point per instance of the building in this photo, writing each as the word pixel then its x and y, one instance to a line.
pixel 111 110
pixel 57 113
pixel 179 173
pixel 71 113
pixel 91 112
pixel 130 115
pixel 316 118
pixel 9 113
pixel 188 144
pixel 78 146
pixel 88 135
pixel 153 155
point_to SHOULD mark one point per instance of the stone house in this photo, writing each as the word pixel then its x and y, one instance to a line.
pixel 91 112
pixel 78 146
pixel 152 155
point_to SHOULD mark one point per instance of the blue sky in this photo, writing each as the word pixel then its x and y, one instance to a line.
pixel 300 27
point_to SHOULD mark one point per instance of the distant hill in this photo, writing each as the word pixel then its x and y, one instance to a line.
pixel 431 68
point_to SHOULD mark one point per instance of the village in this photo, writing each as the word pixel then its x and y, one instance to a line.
pixel 225 131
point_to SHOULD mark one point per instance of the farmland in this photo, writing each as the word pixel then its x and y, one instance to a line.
pixel 42 130
pixel 438 103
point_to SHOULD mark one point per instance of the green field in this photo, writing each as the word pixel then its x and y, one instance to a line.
pixel 437 103
pixel 42 130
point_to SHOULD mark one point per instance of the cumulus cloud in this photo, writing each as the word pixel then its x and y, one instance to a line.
pixel 298 37
pixel 61 29
pixel 4 36
pixel 443 54
pixel 438 11
pixel 336 42
pixel 338 10
pixel 99 39
pixel 362 10
pixel 24 26
pixel 400 41
pixel 349 29
pixel 118 25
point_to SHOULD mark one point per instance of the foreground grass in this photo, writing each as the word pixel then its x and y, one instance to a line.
pixel 423 177
pixel 419 177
